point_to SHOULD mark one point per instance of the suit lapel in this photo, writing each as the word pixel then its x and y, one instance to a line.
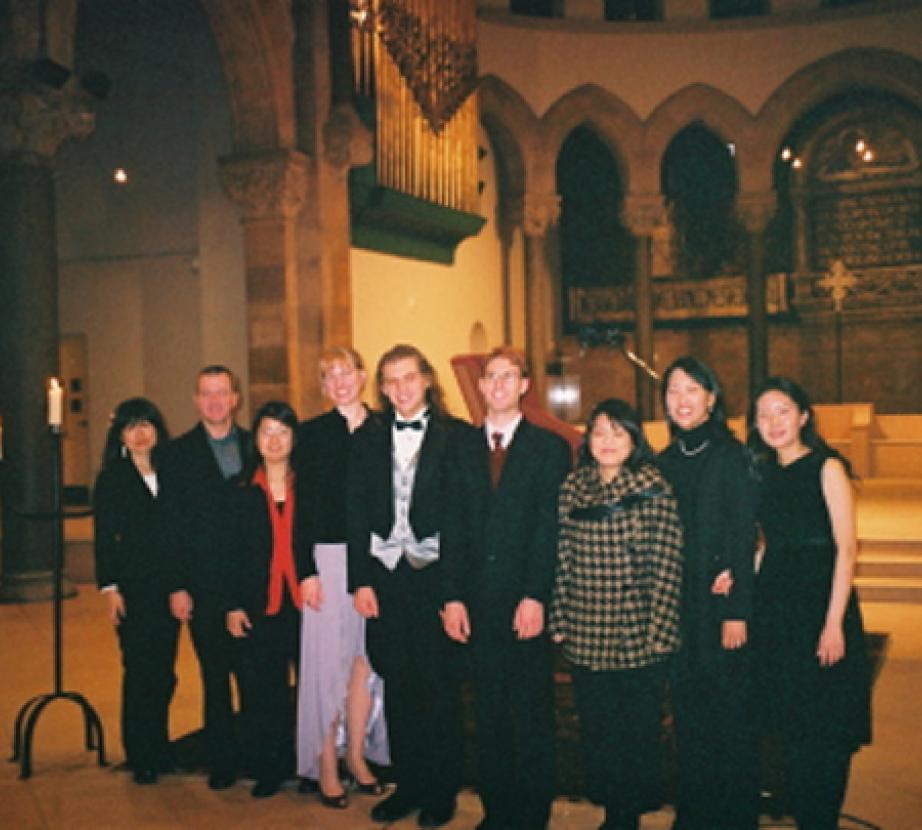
pixel 430 452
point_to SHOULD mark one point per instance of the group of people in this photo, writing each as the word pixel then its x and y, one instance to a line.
pixel 380 557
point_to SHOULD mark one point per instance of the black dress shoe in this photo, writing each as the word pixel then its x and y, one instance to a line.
pixel 437 816
pixel 221 780
pixel 265 787
pixel 145 776
pixel 395 807
pixel 308 786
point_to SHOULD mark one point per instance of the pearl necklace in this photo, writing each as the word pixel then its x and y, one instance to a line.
pixel 692 453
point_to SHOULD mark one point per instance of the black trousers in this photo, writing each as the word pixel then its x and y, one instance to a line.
pixel 513 702
pixel 718 784
pixel 212 643
pixel 620 715
pixel 816 777
pixel 420 666
pixel 148 637
pixel 266 659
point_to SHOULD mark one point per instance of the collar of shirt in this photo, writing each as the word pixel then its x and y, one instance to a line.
pixel 507 431
pixel 408 441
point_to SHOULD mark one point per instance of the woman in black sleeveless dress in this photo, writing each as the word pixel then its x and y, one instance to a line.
pixel 812 682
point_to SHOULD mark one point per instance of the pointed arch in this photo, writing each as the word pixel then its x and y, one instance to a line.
pixel 606 114
pixel 720 113
pixel 513 128
pixel 850 70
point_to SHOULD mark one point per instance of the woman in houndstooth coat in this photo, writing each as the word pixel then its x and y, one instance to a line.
pixel 616 608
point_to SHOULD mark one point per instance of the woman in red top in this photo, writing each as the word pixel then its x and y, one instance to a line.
pixel 263 594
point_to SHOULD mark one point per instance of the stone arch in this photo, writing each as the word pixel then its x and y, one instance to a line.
pixel 254 41
pixel 606 114
pixel 846 71
pixel 513 128
pixel 719 112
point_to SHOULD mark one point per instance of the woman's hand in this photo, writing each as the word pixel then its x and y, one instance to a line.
pixel 238 623
pixel 115 606
pixel 366 601
pixel 733 634
pixel 312 592
pixel 831 647
pixel 723 583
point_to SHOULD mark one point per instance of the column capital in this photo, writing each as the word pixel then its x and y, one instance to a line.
pixel 268 185
pixel 540 211
pixel 35 118
pixel 755 209
pixel 347 142
pixel 643 213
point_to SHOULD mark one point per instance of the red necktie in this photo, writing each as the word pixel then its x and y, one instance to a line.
pixel 497 459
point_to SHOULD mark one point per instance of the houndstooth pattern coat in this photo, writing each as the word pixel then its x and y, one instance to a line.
pixel 619 575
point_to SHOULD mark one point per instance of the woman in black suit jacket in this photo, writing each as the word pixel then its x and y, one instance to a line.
pixel 263 595
pixel 711 477
pixel 131 573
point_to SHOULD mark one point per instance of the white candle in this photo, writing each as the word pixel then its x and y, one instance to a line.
pixel 55 403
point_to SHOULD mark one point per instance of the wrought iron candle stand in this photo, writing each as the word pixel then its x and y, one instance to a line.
pixel 27 719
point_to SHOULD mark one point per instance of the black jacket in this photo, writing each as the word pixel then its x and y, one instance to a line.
pixel 434 504
pixel 510 546
pixel 196 504
pixel 129 531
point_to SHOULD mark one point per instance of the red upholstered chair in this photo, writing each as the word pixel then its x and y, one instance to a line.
pixel 468 368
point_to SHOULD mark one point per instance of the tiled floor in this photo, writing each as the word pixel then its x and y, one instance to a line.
pixel 68 790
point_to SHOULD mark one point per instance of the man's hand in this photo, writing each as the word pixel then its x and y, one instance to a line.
pixel 722 584
pixel 312 592
pixel 115 609
pixel 181 605
pixel 238 623
pixel 528 620
pixel 455 621
pixel 366 602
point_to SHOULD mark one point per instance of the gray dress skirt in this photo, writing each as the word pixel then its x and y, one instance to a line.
pixel 331 639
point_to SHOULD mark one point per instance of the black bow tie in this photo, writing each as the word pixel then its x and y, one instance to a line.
pixel 417 425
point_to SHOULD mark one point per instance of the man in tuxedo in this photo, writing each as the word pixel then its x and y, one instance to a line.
pixel 500 587
pixel 196 471
pixel 402 519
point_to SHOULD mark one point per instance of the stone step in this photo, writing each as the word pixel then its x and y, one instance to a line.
pixel 888 589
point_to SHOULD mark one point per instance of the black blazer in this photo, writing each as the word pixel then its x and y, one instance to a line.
pixel 248 549
pixel 196 504
pixel 511 533
pixel 129 531
pixel 434 503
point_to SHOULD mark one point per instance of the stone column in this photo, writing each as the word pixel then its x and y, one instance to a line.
pixel 644 213
pixel 754 210
pixel 270 187
pixel 34 120
pixel 540 213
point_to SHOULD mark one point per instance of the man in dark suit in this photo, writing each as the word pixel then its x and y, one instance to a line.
pixel 500 586
pixel 196 470
pixel 402 519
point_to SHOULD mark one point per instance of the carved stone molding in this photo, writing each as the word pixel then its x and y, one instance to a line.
pixel 755 209
pixel 540 211
pixel 35 119
pixel 347 142
pixel 644 213
pixel 270 185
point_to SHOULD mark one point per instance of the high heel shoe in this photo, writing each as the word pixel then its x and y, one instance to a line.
pixel 371 788
pixel 334 802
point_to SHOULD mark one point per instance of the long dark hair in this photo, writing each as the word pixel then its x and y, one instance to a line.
pixel 704 375
pixel 128 413
pixel 277 411
pixel 808 432
pixel 401 351
pixel 623 414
